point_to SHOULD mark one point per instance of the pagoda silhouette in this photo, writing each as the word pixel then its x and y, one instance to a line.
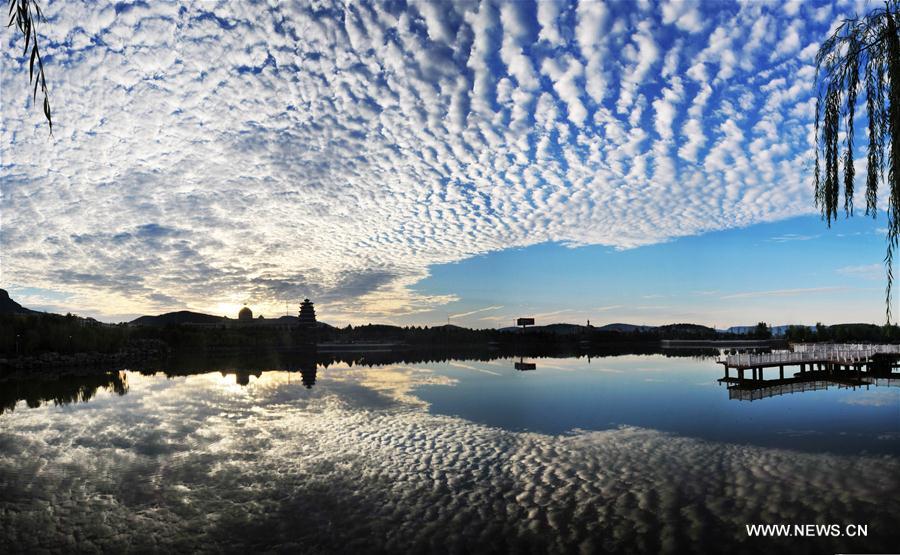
pixel 308 375
pixel 306 329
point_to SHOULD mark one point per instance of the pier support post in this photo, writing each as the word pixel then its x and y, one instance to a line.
pixel 781 372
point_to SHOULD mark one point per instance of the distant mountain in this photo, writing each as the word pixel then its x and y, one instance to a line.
pixel 177 318
pixel 576 329
pixel 565 329
pixel 188 317
pixel 379 328
pixel 626 328
pixel 686 329
pixel 682 329
pixel 558 329
pixel 746 330
pixel 9 306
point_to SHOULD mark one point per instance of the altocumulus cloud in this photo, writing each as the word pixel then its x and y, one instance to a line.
pixel 219 152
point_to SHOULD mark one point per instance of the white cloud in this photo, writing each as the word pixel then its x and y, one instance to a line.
pixel 565 74
pixel 514 32
pixel 782 292
pixel 684 14
pixel 547 14
pixel 215 154
pixel 436 20
pixel 590 32
pixel 872 272
pixel 790 40
pixel 665 108
pixel 476 311
pixel 642 55
pixel 822 14
pixel 791 7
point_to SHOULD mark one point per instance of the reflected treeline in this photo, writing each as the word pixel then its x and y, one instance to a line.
pixel 242 377
pixel 268 360
pixel 38 387
pixel 60 390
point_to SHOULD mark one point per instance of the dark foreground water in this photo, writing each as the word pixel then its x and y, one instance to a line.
pixel 622 454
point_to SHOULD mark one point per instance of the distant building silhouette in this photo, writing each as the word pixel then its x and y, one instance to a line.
pixel 245 315
pixel 307 314
pixel 246 319
pixel 308 376
pixel 307 322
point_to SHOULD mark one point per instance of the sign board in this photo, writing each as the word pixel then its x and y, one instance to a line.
pixel 525 322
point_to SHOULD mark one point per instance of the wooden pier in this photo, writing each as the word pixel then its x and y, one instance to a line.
pixel 820 366
pixel 817 356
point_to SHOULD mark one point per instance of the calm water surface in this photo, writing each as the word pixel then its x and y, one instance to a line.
pixel 619 454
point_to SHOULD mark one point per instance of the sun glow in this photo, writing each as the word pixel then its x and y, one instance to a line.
pixel 229 310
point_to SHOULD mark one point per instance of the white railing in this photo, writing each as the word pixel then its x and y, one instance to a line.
pixel 802 353
pixel 828 347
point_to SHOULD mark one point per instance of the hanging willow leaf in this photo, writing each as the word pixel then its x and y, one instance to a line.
pixel 863 49
pixel 31 64
pixel 27 37
pixel 25 14
pixel 47 113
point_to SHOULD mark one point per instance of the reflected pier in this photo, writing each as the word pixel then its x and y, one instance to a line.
pixel 820 367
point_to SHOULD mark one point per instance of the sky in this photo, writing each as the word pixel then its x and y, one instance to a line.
pixel 419 162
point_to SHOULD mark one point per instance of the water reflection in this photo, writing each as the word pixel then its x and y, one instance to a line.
pixel 60 390
pixel 242 377
pixel 81 384
pixel 359 463
pixel 521 365
pixel 755 386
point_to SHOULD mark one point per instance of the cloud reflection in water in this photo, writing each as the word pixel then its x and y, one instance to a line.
pixel 356 464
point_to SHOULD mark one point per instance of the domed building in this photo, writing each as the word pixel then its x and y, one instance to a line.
pixel 245 315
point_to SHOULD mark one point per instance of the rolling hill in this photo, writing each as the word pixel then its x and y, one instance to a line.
pixel 9 306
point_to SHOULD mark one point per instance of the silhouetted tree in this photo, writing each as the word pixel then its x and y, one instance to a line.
pixel 798 333
pixel 25 14
pixel 762 331
pixel 862 53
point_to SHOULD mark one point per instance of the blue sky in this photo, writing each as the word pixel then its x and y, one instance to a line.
pixel 401 162
pixel 792 271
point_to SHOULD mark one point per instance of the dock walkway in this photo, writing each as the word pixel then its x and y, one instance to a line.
pixel 812 353
pixel 821 366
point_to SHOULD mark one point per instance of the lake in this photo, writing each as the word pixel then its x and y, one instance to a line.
pixel 633 453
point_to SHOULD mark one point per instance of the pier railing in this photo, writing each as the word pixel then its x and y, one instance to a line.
pixel 806 353
pixel 827 347
pixel 756 394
